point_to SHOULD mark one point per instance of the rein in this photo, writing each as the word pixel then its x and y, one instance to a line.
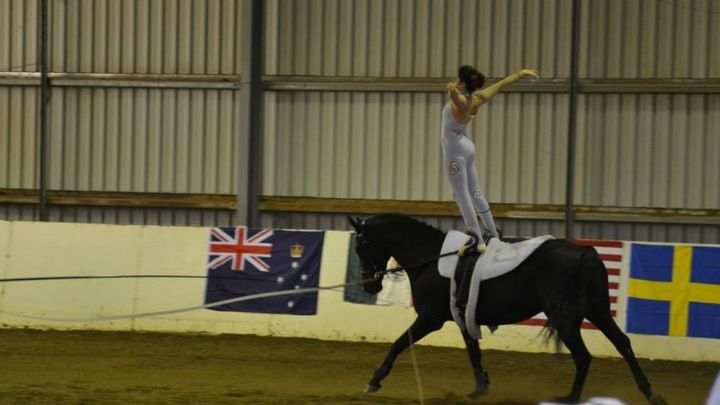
pixel 382 273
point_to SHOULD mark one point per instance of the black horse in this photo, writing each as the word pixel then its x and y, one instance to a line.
pixel 565 281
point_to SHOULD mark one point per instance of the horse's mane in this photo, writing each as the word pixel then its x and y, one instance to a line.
pixel 396 220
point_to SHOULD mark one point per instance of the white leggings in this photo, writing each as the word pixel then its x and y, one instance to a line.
pixel 459 156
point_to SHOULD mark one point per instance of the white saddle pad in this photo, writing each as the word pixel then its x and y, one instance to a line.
pixel 498 259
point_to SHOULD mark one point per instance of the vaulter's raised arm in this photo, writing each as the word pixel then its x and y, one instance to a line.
pixel 480 97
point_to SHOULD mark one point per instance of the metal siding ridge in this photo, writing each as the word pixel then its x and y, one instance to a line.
pixel 655 86
pixel 341 83
pixel 137 80
pixel 359 206
pixel 399 84
pixel 435 84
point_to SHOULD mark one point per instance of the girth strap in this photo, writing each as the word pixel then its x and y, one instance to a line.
pixel 463 275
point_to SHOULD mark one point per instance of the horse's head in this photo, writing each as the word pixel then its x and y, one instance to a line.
pixel 373 256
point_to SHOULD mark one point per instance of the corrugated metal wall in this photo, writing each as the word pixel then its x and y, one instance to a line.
pixel 416 38
pixel 387 146
pixel 18 104
pixel 649 151
pixel 634 150
pixel 146 36
pixel 650 39
pixel 143 139
pixel 18 139
pixel 18 36
pixel 154 140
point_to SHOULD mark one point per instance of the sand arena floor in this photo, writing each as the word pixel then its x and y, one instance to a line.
pixel 50 367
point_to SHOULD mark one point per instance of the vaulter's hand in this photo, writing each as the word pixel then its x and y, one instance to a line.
pixel 531 73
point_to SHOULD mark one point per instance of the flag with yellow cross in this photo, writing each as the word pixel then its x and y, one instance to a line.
pixel 674 290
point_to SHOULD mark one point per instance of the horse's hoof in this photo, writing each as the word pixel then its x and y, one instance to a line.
pixel 482 385
pixel 478 393
pixel 567 399
pixel 657 399
pixel 369 389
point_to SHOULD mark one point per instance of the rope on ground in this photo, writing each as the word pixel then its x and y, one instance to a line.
pixel 415 367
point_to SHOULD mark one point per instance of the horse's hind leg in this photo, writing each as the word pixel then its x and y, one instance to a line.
pixel 475 356
pixel 570 335
pixel 603 320
pixel 419 329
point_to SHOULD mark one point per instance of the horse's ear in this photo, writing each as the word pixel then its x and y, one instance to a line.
pixel 355 222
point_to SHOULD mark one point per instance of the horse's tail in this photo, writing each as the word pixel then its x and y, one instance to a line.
pixel 571 301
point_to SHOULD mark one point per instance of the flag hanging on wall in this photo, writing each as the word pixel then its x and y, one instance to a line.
pixel 674 290
pixel 243 262
pixel 396 286
pixel 611 253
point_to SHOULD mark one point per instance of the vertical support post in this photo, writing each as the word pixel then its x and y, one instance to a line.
pixel 251 113
pixel 44 108
pixel 572 121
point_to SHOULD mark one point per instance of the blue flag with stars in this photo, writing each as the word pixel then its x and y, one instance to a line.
pixel 243 262
pixel 674 290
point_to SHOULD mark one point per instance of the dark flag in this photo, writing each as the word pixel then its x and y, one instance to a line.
pixel 243 262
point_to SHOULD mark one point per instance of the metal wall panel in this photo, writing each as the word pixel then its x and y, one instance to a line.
pixel 144 140
pixel 143 216
pixel 18 35
pixel 146 36
pixel 125 139
pixel 650 39
pixel 18 138
pixel 387 146
pixel 18 104
pixel 416 38
pixel 649 151
pixel 9 212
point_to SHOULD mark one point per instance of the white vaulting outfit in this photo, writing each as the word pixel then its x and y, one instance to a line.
pixel 459 157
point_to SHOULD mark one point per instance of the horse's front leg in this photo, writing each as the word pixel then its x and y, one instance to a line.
pixel 419 329
pixel 475 356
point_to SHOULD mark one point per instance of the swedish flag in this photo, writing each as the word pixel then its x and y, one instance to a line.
pixel 674 290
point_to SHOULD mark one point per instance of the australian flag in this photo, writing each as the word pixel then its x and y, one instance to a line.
pixel 243 262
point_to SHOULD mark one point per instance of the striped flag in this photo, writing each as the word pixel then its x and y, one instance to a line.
pixel 611 253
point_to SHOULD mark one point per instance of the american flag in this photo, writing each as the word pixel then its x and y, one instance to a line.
pixel 610 252
pixel 239 246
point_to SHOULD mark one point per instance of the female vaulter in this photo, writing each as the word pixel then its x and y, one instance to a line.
pixel 466 97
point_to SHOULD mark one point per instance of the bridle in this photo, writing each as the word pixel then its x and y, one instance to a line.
pixel 379 272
